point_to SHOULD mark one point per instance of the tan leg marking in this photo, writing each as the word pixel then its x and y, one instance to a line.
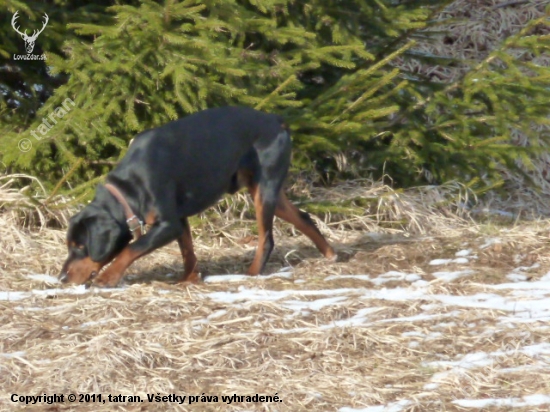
pixel 287 211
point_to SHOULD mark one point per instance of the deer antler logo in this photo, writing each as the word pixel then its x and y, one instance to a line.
pixel 29 40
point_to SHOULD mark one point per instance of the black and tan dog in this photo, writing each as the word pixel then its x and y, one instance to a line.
pixel 179 170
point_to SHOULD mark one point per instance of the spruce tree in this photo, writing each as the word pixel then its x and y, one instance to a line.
pixel 328 66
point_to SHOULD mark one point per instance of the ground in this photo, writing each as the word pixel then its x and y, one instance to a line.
pixel 401 323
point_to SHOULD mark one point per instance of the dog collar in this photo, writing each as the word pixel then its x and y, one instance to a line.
pixel 136 226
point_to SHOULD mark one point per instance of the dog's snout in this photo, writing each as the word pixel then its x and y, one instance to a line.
pixel 63 277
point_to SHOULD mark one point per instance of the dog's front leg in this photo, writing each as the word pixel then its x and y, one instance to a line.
pixel 159 235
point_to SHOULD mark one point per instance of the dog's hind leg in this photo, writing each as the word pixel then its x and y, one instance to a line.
pixel 302 221
pixel 265 211
pixel 271 167
pixel 185 242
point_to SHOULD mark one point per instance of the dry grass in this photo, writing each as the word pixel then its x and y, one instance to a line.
pixel 469 31
pixel 155 336
pixel 25 202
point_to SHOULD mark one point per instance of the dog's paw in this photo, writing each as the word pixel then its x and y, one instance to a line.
pixel 193 278
pixel 331 255
pixel 104 282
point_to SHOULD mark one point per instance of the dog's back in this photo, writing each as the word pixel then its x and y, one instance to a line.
pixel 200 154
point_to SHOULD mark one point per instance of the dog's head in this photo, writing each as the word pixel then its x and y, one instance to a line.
pixel 94 238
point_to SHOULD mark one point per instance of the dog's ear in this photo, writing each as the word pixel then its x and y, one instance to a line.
pixel 104 235
pixel 77 231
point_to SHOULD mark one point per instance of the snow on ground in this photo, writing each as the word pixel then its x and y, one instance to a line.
pixel 516 307
pixel 437 262
pixel 391 407
pixel 516 302
pixel 522 301
pixel 539 353
pixel 380 279
pixel 17 295
pixel 450 276
pixel 463 253
pixel 491 242
pixel 526 401
pixel 283 274
pixel 44 278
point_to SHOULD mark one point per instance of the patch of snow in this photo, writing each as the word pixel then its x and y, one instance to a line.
pixel 282 275
pixel 439 262
pixel 355 277
pixel 482 359
pixel 516 277
pixel 216 314
pixel 420 283
pixel 314 305
pixel 531 368
pixel 444 325
pixel 96 322
pixel 390 276
pixel 420 318
pixel 413 333
pixel 73 290
pixel 18 295
pixel 532 350
pixel 528 268
pixel 528 301
pixel 285 273
pixel 463 253
pixel 450 276
pixel 538 285
pixel 264 295
pixel 531 309
pixel 13 295
pixel 225 278
pixel 394 276
pixel 359 319
pixel 12 355
pixel 490 242
pixel 528 400
pixel 42 361
pixel 198 322
pixel 29 309
pixel 390 407
pixel 44 278
pixel 497 212
pixel 517 274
